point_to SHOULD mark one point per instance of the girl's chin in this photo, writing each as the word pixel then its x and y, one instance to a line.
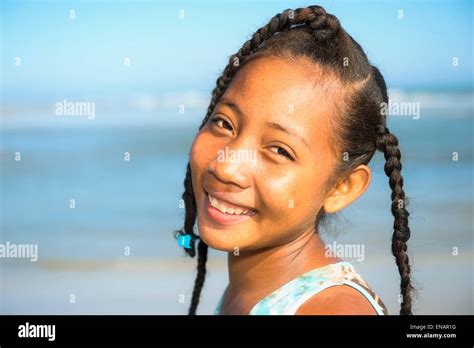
pixel 226 241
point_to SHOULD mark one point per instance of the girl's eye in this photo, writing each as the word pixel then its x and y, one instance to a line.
pixel 220 122
pixel 282 152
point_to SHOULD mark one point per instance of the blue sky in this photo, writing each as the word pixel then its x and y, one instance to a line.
pixel 85 56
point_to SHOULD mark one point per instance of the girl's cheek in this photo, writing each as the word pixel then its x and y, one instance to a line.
pixel 197 160
pixel 203 150
pixel 193 153
pixel 293 196
pixel 198 152
pixel 281 193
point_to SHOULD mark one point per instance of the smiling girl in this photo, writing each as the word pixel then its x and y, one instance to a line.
pixel 303 100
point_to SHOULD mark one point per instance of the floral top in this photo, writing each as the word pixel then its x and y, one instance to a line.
pixel 287 299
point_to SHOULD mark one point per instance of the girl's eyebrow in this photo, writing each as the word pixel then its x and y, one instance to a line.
pixel 280 128
pixel 232 105
pixel 272 125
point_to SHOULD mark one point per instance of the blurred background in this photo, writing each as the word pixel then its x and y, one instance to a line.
pixel 100 195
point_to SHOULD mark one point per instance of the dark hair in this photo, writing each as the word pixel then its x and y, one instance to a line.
pixel 360 127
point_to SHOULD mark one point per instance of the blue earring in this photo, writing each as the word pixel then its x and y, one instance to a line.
pixel 184 240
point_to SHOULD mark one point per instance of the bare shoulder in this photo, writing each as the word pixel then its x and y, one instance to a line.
pixel 337 300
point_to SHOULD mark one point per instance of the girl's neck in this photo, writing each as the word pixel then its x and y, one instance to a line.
pixel 264 270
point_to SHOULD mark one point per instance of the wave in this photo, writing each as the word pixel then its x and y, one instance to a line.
pixel 450 100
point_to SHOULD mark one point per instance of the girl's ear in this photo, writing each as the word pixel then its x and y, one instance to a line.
pixel 348 190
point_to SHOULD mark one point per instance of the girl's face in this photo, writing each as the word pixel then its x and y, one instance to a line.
pixel 261 163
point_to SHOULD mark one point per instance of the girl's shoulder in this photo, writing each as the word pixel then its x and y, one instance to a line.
pixel 337 300
pixel 333 289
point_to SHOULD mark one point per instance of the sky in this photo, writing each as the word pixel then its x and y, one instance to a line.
pixel 102 48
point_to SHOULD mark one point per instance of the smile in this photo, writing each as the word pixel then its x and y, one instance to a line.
pixel 225 213
pixel 227 208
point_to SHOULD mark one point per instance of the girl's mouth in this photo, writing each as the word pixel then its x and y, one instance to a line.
pixel 224 213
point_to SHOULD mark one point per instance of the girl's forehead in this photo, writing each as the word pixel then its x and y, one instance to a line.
pixel 277 86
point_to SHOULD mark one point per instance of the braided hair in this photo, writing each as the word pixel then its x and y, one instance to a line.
pixel 360 127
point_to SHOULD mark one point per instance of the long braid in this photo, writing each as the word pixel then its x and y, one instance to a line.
pixel 388 144
pixel 314 16
pixel 190 211
pixel 200 277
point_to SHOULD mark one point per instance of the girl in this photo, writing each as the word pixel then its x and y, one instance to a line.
pixel 293 122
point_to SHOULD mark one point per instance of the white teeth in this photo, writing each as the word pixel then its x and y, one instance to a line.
pixel 216 204
pixel 222 208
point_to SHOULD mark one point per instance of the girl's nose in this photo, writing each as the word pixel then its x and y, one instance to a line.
pixel 234 165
